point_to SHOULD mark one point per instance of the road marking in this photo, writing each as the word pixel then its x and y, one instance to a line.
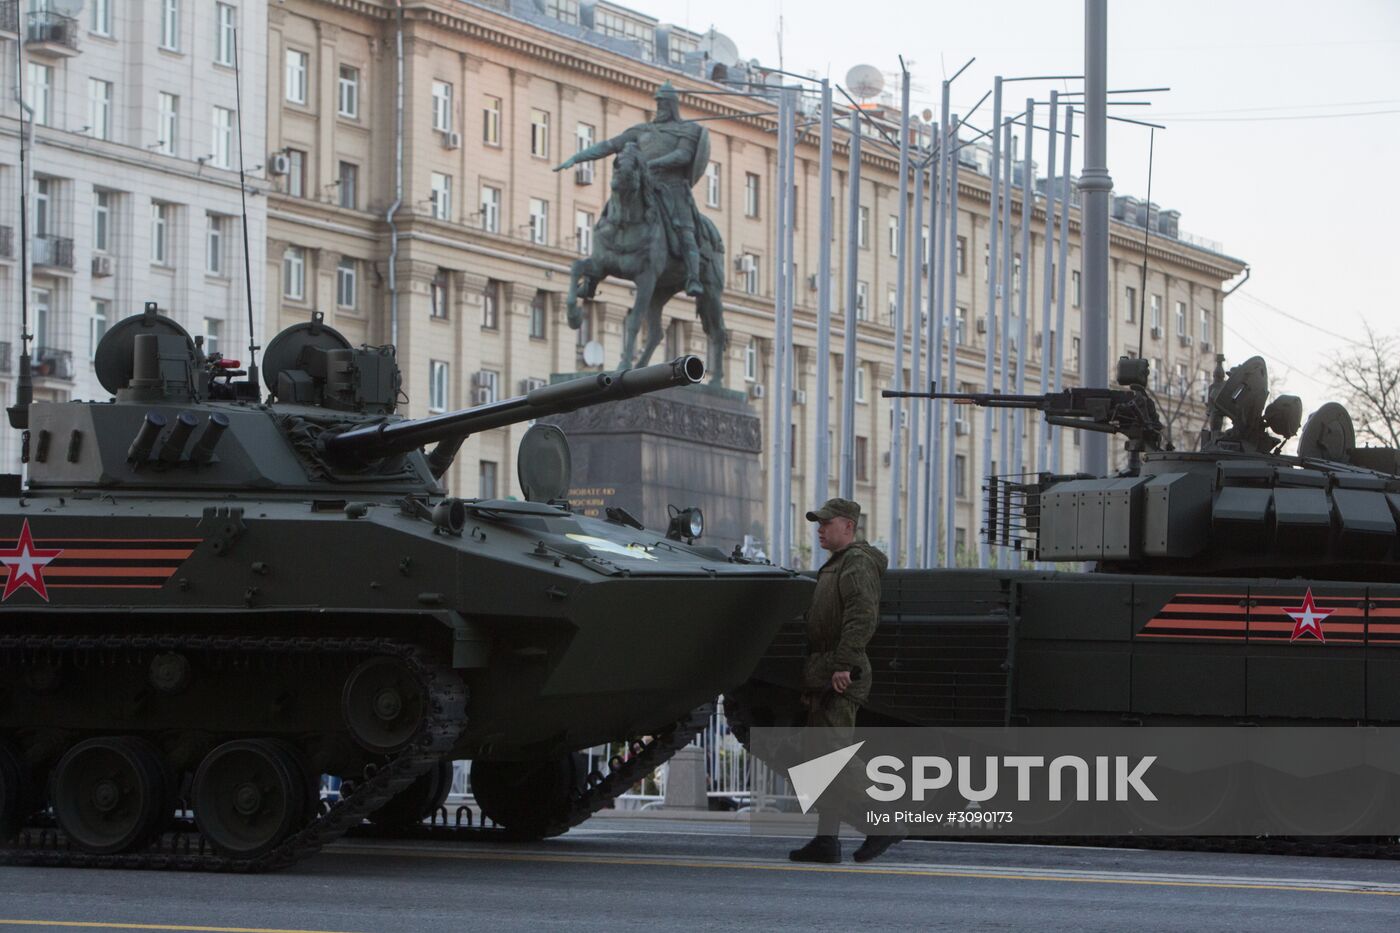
pixel 99 925
pixel 905 870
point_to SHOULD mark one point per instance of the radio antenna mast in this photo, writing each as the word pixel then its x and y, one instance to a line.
pixel 243 196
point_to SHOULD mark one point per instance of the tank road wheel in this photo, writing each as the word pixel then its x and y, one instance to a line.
pixel 383 704
pixel 14 790
pixel 419 800
pixel 250 795
pixel 525 797
pixel 111 794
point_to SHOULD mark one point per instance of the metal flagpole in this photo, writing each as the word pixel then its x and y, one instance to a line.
pixel 901 274
pixel 950 493
pixel 993 293
pixel 1048 335
pixel 1007 265
pixel 789 215
pixel 1096 185
pixel 780 349
pixel 1065 205
pixel 916 371
pixel 823 477
pixel 848 362
pixel 1018 421
pixel 933 424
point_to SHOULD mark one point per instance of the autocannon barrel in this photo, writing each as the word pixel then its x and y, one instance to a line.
pixel 378 440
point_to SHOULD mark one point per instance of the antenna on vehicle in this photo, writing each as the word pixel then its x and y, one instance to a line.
pixel 1146 232
pixel 24 386
pixel 243 197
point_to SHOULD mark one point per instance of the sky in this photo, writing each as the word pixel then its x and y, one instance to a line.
pixel 1281 142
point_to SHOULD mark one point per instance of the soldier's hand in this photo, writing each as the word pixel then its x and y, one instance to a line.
pixel 840 681
pixel 567 163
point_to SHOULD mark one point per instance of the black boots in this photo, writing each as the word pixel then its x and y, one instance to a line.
pixel 824 849
pixel 874 846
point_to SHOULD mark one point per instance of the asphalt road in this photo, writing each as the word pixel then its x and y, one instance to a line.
pixel 619 874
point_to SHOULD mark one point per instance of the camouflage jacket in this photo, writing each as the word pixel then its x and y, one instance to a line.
pixel 845 610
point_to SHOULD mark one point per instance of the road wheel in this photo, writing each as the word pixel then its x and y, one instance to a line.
pixel 525 797
pixel 383 704
pixel 249 795
pixel 111 794
pixel 419 800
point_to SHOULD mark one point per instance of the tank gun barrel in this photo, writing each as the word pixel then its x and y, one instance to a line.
pixel 380 440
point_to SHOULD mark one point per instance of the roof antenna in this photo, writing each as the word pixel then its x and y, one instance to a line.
pixel 24 386
pixel 253 389
pixel 1146 232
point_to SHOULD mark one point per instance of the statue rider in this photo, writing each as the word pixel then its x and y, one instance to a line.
pixel 677 152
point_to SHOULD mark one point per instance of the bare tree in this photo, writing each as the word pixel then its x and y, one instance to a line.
pixel 1368 376
pixel 1181 402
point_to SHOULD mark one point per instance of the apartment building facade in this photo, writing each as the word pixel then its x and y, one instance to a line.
pixel 453 238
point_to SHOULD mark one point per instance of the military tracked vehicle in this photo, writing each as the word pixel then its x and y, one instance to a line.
pixel 211 598
pixel 1232 584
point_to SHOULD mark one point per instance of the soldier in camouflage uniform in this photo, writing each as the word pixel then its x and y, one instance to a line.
pixel 836 672
pixel 677 152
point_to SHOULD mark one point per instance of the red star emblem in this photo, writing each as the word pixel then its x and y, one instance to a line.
pixel 26 563
pixel 1307 619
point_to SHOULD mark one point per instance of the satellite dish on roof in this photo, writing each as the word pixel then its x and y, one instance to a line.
pixel 927 115
pixel 865 81
pixel 593 353
pixel 720 48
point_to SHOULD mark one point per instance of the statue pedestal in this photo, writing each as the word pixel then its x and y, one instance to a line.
pixel 692 446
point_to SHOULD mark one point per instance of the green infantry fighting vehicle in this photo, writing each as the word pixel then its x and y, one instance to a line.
pixel 1234 584
pixel 213 599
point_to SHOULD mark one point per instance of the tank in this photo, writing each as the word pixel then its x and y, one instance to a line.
pixel 214 597
pixel 1230 584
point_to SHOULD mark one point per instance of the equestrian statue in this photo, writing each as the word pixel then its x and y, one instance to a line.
pixel 652 234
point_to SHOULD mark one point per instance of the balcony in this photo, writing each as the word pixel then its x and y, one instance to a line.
pixel 9 18
pixel 51 34
pixel 53 251
pixel 7 242
pixel 52 363
pixel 7 362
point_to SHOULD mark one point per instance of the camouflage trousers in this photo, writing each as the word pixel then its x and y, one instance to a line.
pixel 831 721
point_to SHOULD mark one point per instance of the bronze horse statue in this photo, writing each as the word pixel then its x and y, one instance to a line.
pixel 629 243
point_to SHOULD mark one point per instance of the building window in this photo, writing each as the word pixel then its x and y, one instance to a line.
pixel 490 306
pixel 862 459
pixel 712 184
pixel 349 185
pixel 1074 287
pixel 490 209
pixel 751 362
pixel 167 123
pixel 539 221
pixel 294 273
pixel 296 173
pixel 442 196
pixel 891 300
pixel 41 299
pixel 438 294
pixel 40 91
pixel 1205 327
pixel 437 386
pixel 750 194
pixel 862 301
pixel 101 308
pixel 860 383
pixel 226 22
pixel 894 235
pixel 348 92
pixel 583 138
pixel 214 245
pixel 213 332
pixel 1205 387
pixel 160 233
pixel 347 283
pixel 491 122
pixel 960 476
pixel 863 227
pixel 1130 312
pixel 1156 315
pixel 43 211
pixel 170 24
pixel 1074 356
pixel 539 315
pixel 102 17
pixel 583 231
pixel 101 220
pixel 221 145
pixel 539 133
pixel 748 269
pixel 488 383
pixel 296 76
pixel 99 108
pixel 962 255
pixel 1182 328
pixel 442 106
pixel 486 479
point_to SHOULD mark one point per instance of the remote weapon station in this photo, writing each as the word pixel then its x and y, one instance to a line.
pixel 212 599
